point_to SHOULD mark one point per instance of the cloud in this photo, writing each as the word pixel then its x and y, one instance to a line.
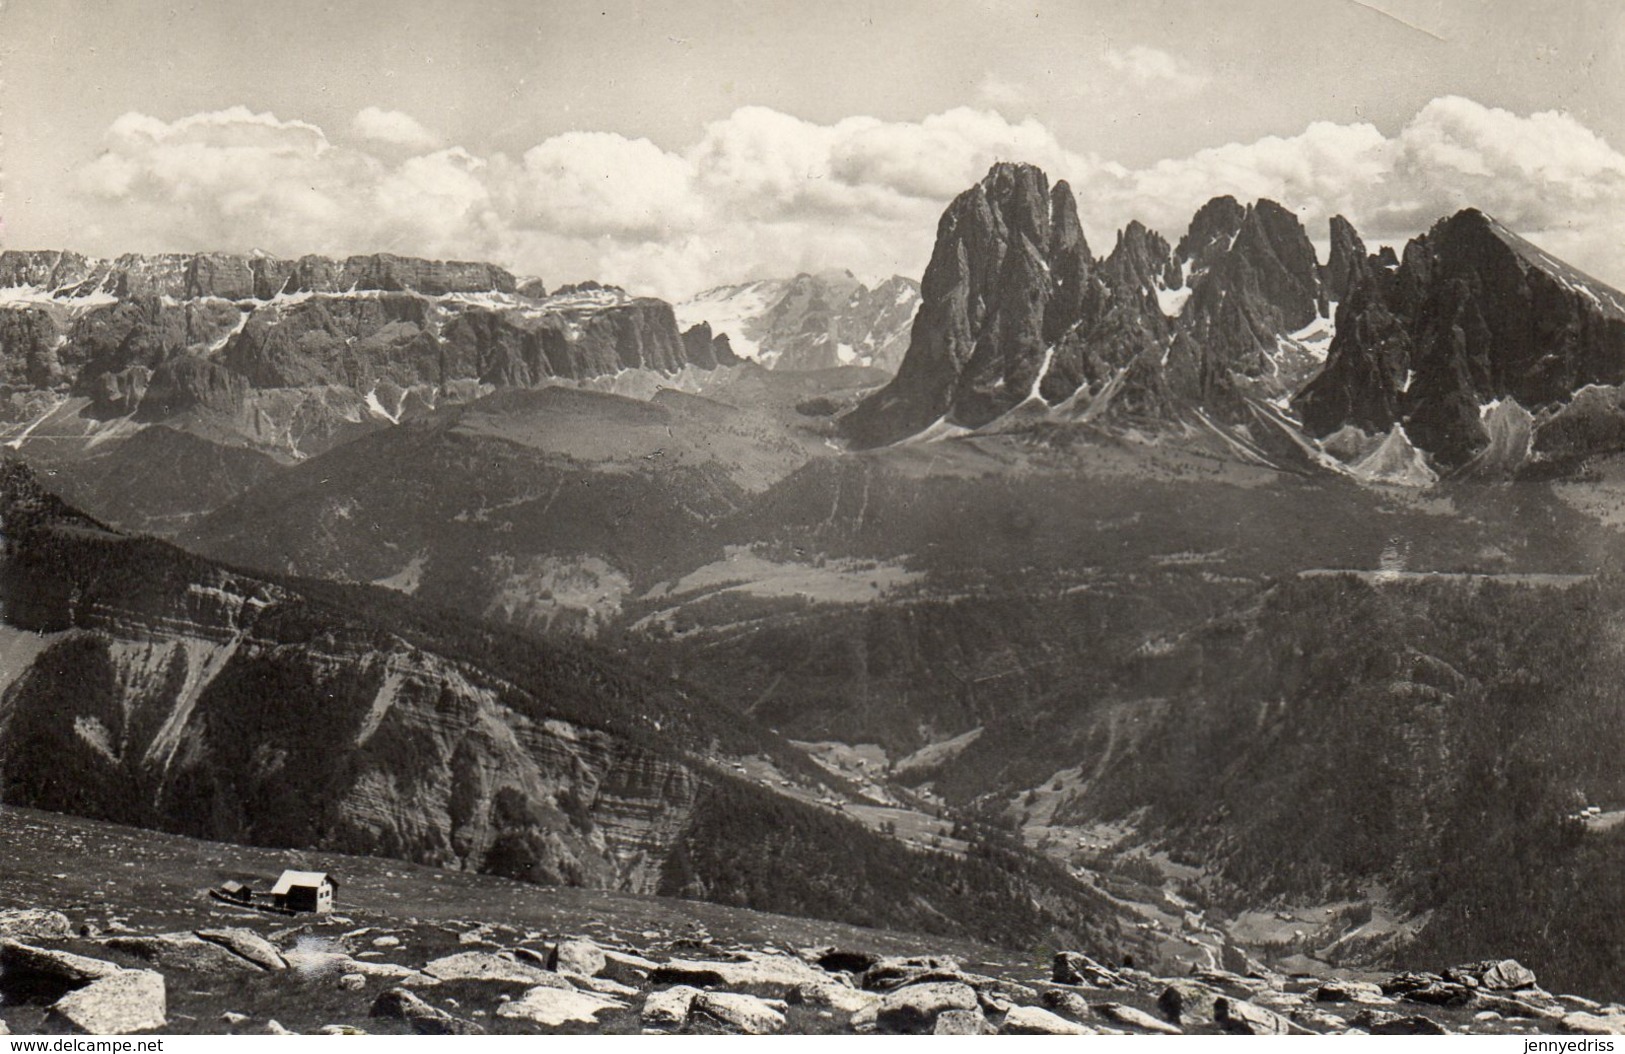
pixel 763 193
pixel 393 127
pixel 1545 175
pixel 1152 66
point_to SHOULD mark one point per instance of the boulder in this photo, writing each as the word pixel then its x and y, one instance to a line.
pixel 124 1002
pixel 383 971
pixel 182 951
pixel 843 960
pixel 626 967
pixel 1350 992
pixel 601 985
pixel 424 1019
pixel 1409 981
pixel 341 1030
pixel 1230 981
pixel 274 1027
pixel 386 941
pixel 1587 1024
pixel 756 974
pixel 582 957
pixel 24 964
pixel 34 924
pixel 1077 968
pixel 1282 1002
pixel 962 1023
pixel 4 1031
pixel 352 982
pixel 914 1008
pixel 843 999
pixel 998 987
pixel 738 1012
pixel 557 1006
pixel 991 1002
pixel 670 1007
pixel 1507 1006
pixel 1506 975
pixel 249 945
pixel 1134 1017
pixel 1318 1020
pixel 485 966
pixel 312 964
pixel 1188 1002
pixel 887 974
pixel 1034 1021
pixel 1066 1002
pixel 1249 1019
pixel 1383 1023
pixel 1445 993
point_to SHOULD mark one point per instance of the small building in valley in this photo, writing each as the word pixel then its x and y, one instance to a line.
pixel 236 891
pixel 305 891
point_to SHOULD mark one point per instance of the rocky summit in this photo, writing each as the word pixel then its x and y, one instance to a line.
pixel 290 357
pixel 1488 354
pixel 1474 317
pixel 1017 314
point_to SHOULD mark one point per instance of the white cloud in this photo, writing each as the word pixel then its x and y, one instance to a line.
pixel 1152 66
pixel 764 193
pixel 394 127
pixel 599 183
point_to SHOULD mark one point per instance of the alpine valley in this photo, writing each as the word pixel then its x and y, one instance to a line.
pixel 1211 601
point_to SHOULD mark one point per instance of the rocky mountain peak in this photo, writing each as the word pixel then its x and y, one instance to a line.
pixel 1473 314
pixel 985 318
pixel 1248 292
pixel 1016 313
pixel 1347 263
pixel 1212 229
pixel 1140 261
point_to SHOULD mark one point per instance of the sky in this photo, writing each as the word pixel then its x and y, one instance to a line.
pixel 670 147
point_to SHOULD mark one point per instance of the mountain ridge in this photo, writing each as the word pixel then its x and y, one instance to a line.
pixel 1242 313
pixel 811 321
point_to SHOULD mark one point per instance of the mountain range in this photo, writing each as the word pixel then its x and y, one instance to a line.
pixel 812 322
pixel 1199 595
pixel 1473 351
pixel 289 357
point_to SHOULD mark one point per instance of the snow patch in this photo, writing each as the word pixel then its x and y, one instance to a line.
pixel 220 345
pixel 935 432
pixel 377 408
pixel 730 309
pixel 1172 301
pixel 93 732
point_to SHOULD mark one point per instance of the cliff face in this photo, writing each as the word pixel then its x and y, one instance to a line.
pixel 1477 345
pixel 1017 314
pixel 289 355
pixel 1472 317
pixel 1005 251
